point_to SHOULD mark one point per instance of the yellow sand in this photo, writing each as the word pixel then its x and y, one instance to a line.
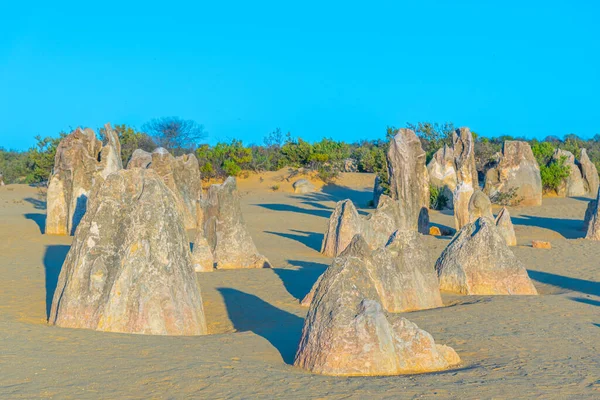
pixel 511 347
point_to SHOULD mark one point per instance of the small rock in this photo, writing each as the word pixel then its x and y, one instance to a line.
pixel 303 186
pixel 435 231
pixel 540 244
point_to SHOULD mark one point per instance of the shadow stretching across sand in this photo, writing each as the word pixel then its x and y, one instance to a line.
pixel 574 284
pixel 54 257
pixel 298 282
pixel 295 209
pixel 586 301
pixel 250 313
pixel 568 228
pixel 37 203
pixel 39 219
pixel 309 239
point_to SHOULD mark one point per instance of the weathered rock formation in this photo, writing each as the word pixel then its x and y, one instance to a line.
pixel 303 186
pixel 589 173
pixel 409 183
pixel 378 191
pixel 139 159
pixel 347 333
pixel 80 162
pixel 401 273
pixel 516 170
pixel 129 268
pixel 225 230
pixel 345 222
pixel 1 180
pixel 592 220
pixel 505 227
pixel 573 185
pixel 202 254
pixel 442 172
pixel 480 206
pixel 478 262
pixel 466 175
pixel 181 175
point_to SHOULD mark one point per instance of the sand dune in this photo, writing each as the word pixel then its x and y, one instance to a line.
pixel 511 346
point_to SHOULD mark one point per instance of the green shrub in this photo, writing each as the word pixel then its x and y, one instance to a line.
pixel 542 151
pixel 437 198
pixel 554 173
pixel 506 198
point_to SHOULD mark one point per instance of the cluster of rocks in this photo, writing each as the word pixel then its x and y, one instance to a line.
pixel 130 268
pixel 346 331
pixel 583 176
pixel 80 162
pixel 345 222
pixel 400 270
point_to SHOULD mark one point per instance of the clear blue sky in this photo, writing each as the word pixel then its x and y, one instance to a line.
pixel 339 69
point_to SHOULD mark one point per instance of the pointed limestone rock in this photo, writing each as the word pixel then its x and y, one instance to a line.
pixel 202 257
pixel 182 176
pixel 401 273
pixel 478 262
pixel 409 181
pixel 592 221
pixel 129 268
pixel 345 222
pixel 231 244
pixel 346 332
pixel 572 185
pixel 589 173
pixel 466 175
pixel 505 227
pixel 442 172
pixel 80 163
pixel 480 206
pixel 518 170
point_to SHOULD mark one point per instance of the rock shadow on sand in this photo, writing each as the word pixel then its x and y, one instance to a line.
pixel 298 282
pixel 39 219
pixel 564 282
pixel 54 257
pixel 250 313
pixel 37 203
pixel 568 228
pixel 312 240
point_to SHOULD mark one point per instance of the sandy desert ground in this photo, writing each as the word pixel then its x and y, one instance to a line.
pixel 511 346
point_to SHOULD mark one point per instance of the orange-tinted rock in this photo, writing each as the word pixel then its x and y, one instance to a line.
pixel 129 268
pixel 540 244
pixel 435 231
pixel 478 262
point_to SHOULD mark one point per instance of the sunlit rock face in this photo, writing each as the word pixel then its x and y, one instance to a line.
pixel 400 271
pixel 80 162
pixel 517 170
pixel 226 232
pixel 466 175
pixel 479 262
pixel 409 181
pixel 347 333
pixel 129 268
pixel 442 173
